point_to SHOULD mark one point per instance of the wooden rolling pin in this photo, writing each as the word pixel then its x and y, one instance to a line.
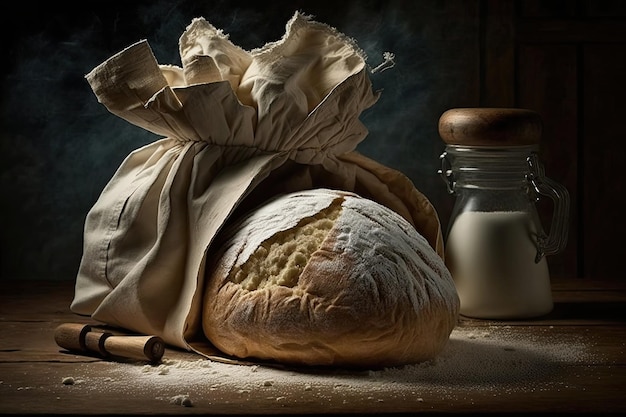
pixel 83 338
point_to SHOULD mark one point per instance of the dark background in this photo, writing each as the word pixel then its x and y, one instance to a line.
pixel 564 59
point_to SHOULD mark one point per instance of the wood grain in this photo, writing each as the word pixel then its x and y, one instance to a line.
pixel 33 367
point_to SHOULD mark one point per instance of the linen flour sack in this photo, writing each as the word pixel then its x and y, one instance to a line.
pixel 238 127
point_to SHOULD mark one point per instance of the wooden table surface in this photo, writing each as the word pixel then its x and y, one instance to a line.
pixel 571 361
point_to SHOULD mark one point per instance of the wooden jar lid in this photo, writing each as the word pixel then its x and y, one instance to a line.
pixel 490 127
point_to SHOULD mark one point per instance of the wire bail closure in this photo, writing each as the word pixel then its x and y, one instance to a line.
pixel 446 172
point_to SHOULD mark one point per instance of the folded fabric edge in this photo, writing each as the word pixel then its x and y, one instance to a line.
pixel 127 79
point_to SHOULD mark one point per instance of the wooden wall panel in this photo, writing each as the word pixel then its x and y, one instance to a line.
pixel 498 55
pixel 547 83
pixel 604 163
pixel 567 60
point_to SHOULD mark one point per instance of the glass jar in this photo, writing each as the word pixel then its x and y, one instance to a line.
pixel 495 243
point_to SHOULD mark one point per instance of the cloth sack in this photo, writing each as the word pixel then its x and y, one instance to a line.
pixel 238 127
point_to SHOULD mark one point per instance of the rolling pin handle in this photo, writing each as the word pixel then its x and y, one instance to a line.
pixel 72 336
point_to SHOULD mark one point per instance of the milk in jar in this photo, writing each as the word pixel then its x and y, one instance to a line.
pixel 495 245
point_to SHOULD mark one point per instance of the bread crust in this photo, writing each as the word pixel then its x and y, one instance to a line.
pixel 373 294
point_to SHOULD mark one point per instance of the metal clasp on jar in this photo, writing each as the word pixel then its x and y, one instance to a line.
pixel 556 241
pixel 446 172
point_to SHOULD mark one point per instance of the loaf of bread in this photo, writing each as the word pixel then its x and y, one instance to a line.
pixel 325 277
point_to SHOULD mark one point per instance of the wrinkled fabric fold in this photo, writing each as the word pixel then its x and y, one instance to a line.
pixel 238 127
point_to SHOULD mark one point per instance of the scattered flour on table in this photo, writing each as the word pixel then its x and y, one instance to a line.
pixel 181 399
pixel 477 359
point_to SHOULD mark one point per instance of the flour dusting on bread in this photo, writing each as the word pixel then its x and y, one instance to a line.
pixel 326 277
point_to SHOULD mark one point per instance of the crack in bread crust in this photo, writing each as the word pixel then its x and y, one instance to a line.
pixel 281 259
